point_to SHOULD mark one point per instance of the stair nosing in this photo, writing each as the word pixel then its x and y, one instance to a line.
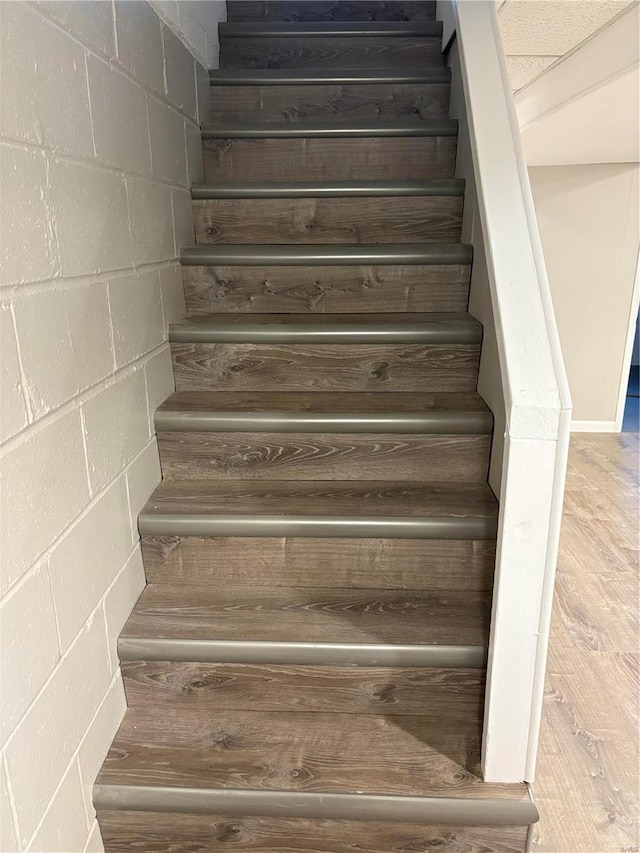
pixel 201 525
pixel 327 189
pixel 319 76
pixel 301 653
pixel 432 423
pixel 460 811
pixel 300 254
pixel 283 329
pixel 327 130
pixel 331 29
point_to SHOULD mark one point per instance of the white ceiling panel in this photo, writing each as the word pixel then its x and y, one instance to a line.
pixel 552 27
pixel 522 69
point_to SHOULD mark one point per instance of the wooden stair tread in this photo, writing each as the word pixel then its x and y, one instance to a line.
pixel 330 498
pixel 300 752
pixel 336 401
pixel 289 614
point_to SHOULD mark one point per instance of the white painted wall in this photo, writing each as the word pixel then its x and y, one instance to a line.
pixel 588 220
pixel 99 141
pixel 196 23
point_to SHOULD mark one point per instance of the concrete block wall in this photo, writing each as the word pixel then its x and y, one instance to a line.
pixel 197 23
pixel 99 141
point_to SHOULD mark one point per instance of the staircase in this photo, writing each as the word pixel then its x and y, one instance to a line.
pixel 305 668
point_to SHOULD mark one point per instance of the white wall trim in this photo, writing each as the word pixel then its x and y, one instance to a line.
pixel 537 403
pixel 594 426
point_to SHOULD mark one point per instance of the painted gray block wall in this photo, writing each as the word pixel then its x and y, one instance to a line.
pixel 99 142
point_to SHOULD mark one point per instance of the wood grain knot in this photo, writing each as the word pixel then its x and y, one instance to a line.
pixel 380 371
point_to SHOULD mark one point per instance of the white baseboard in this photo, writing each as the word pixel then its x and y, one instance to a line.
pixel 594 426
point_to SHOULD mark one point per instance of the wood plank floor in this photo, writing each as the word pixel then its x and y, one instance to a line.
pixel 588 768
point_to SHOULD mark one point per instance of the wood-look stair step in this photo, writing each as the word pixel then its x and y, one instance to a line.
pixel 334 255
pixel 326 352
pixel 193 684
pixel 346 52
pixel 399 768
pixel 320 76
pixel 327 189
pixel 277 438
pixel 340 157
pixel 226 411
pixel 154 832
pixel 324 129
pixel 347 329
pixel 278 365
pixel 317 289
pixel 330 29
pixel 368 509
pixel 331 10
pixel 408 564
pixel 316 626
pixel 326 221
pixel 294 95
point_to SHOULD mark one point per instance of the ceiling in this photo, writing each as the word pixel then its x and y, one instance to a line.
pixel 536 33
pixel 586 107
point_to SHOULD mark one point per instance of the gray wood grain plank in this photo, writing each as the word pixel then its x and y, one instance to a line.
pixel 151 832
pixel 313 456
pixel 416 564
pixel 337 367
pixel 289 614
pixel 333 498
pixel 286 751
pixel 347 52
pixel 340 220
pixel 383 158
pixel 325 289
pixel 458 693
pixel 330 101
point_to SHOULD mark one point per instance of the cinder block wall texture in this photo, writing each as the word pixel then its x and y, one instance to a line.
pixel 100 105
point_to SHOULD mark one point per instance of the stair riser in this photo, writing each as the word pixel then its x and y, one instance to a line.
pixel 319 290
pixel 330 10
pixel 454 693
pixel 332 102
pixel 290 456
pixel 351 158
pixel 346 53
pixel 421 564
pixel 417 219
pixel 329 367
pixel 153 832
